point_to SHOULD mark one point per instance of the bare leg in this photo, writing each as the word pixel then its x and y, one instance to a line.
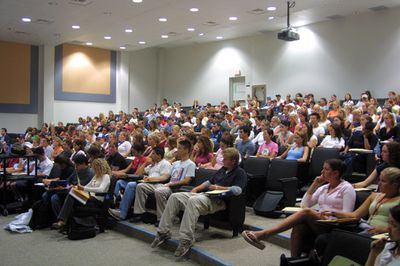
pixel 303 216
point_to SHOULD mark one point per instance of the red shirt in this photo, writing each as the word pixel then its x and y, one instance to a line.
pixel 137 162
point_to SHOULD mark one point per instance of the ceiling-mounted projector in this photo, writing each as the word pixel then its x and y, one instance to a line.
pixel 289 34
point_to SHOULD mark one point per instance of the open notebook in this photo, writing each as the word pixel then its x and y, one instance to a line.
pixel 79 195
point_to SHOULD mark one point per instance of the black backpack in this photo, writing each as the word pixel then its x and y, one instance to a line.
pixel 42 215
pixel 81 227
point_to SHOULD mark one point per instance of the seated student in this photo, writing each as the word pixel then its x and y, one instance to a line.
pixel 63 169
pixel 391 131
pixel 231 177
pixel 377 205
pixel 385 252
pixel 390 157
pixel 268 149
pixel 299 150
pixel 182 171
pixel 99 184
pixel 245 146
pixel 124 146
pixel 24 187
pixel 202 151
pixel 365 139
pixel 336 195
pixel 79 148
pixel 152 141
pixel 156 170
pixel 217 161
pixel 170 149
pixel 334 139
pixel 114 159
pixel 83 175
pixel 139 160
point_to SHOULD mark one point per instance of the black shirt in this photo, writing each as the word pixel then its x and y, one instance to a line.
pixel 118 161
pixel 236 177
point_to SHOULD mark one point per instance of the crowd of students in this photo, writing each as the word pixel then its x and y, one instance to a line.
pixel 168 142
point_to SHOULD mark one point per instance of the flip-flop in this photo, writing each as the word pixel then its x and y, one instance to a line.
pixel 252 240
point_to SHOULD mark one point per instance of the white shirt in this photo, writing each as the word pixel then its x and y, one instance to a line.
pixel 318 131
pixel 329 142
pixel 163 167
pixel 386 257
pixel 44 167
pixel 124 148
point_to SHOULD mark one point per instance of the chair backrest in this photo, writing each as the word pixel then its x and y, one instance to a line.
pixel 202 175
pixel 256 167
pixel 347 244
pixel 319 156
pixel 279 169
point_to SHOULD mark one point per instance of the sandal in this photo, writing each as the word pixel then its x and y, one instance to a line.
pixel 252 240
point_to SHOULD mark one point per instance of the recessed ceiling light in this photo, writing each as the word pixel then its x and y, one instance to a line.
pixel 219 37
pixel 76 27
pixel 89 43
pixel 107 37
pixel 194 9
pixel 128 30
pixel 191 29
pixel 26 19
pixel 233 18
pixel 164 36
pixel 142 42
pixel 201 34
pixel 137 1
pixel 122 47
pixel 163 19
pixel 271 18
pixel 271 8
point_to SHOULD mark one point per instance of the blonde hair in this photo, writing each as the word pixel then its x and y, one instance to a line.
pixel 393 174
pixel 101 166
pixel 231 154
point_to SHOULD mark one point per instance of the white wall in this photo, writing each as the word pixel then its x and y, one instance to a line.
pixel 353 54
pixel 143 78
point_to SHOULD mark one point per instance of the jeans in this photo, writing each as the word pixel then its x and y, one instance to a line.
pixel 127 199
pixel 121 184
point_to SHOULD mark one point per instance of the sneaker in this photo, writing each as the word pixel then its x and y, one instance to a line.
pixel 183 248
pixel 160 238
pixel 116 214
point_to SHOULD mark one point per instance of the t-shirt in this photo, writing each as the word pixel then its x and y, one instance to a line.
pixel 182 169
pixel 163 167
pixel 319 130
pixel 268 149
pixel 45 166
pixel 357 140
pixel 246 148
pixel 203 159
pixel 118 161
pixel 137 162
pixel 124 148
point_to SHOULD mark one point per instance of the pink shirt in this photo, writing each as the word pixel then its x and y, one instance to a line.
pixel 268 149
pixel 341 199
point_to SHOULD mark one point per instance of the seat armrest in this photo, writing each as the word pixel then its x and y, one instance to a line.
pixel 253 176
pixel 185 188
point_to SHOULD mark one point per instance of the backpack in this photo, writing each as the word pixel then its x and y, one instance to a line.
pixel 81 228
pixel 42 215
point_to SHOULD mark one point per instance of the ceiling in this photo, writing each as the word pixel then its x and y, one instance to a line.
pixel 52 20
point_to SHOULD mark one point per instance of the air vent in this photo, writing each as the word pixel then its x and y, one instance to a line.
pixel 43 21
pixel 80 2
pixel 378 8
pixel 173 33
pixel 335 17
pixel 210 23
pixel 257 11
pixel 77 42
pixel 21 32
